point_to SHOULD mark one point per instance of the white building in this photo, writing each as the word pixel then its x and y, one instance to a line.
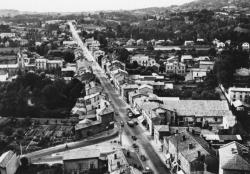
pixel 242 94
pixel 143 60
pixel 176 68
pixel 7 35
pixel 245 46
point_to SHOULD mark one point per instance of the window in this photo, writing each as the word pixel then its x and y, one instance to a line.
pixel 92 165
pixel 215 119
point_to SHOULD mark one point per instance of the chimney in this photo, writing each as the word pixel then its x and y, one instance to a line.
pixel 190 146
pixel 115 156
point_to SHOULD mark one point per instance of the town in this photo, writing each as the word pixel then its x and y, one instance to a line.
pixel 146 91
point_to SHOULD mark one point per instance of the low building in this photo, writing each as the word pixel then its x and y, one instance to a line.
pixel 176 68
pixel 189 43
pixel 191 154
pixel 203 113
pixel 245 46
pixel 104 121
pixel 91 101
pixel 216 141
pixel 146 89
pixel 81 161
pixel 124 161
pixel 242 77
pixel 209 65
pixel 161 131
pixel 126 89
pixel 234 159
pixel 9 162
pixel 241 94
pixel 186 58
pixel 196 74
pixel 143 60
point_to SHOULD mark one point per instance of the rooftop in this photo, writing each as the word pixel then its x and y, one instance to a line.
pixel 185 139
pixel 86 124
pixel 5 158
pixel 242 72
pixel 82 154
pixel 234 156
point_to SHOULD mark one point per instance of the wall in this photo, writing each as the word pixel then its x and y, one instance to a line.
pixel 75 165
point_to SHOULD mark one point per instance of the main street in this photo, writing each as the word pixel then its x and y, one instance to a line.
pixel 153 162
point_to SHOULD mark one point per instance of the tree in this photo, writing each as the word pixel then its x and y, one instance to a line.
pixel 123 55
pixel 8 131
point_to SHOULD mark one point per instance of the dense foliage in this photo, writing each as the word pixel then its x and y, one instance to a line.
pixel 37 96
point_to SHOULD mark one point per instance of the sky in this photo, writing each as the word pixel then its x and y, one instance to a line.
pixel 84 5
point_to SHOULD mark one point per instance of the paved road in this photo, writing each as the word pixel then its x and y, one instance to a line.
pixel 154 162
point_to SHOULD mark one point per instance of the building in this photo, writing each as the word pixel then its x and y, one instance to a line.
pixel 45 64
pixel 245 46
pixel 126 89
pixel 81 161
pixel 199 113
pixel 209 65
pixel 9 162
pixel 143 60
pixel 161 131
pixel 241 94
pixel 104 121
pixel 41 63
pixel 186 59
pixel 93 88
pixel 216 141
pixel 7 35
pixel 91 101
pixel 190 154
pixel 242 77
pixel 124 161
pixel 234 159
pixel 146 89
pixel 196 74
pixel 176 68
pixel 189 43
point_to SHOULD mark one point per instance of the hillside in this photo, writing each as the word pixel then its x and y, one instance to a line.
pixel 9 12
pixel 213 4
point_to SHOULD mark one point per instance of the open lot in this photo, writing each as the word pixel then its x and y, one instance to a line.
pixel 34 134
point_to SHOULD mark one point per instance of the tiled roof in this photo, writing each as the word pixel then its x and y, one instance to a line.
pixel 234 156
pixel 198 144
pixel 198 107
